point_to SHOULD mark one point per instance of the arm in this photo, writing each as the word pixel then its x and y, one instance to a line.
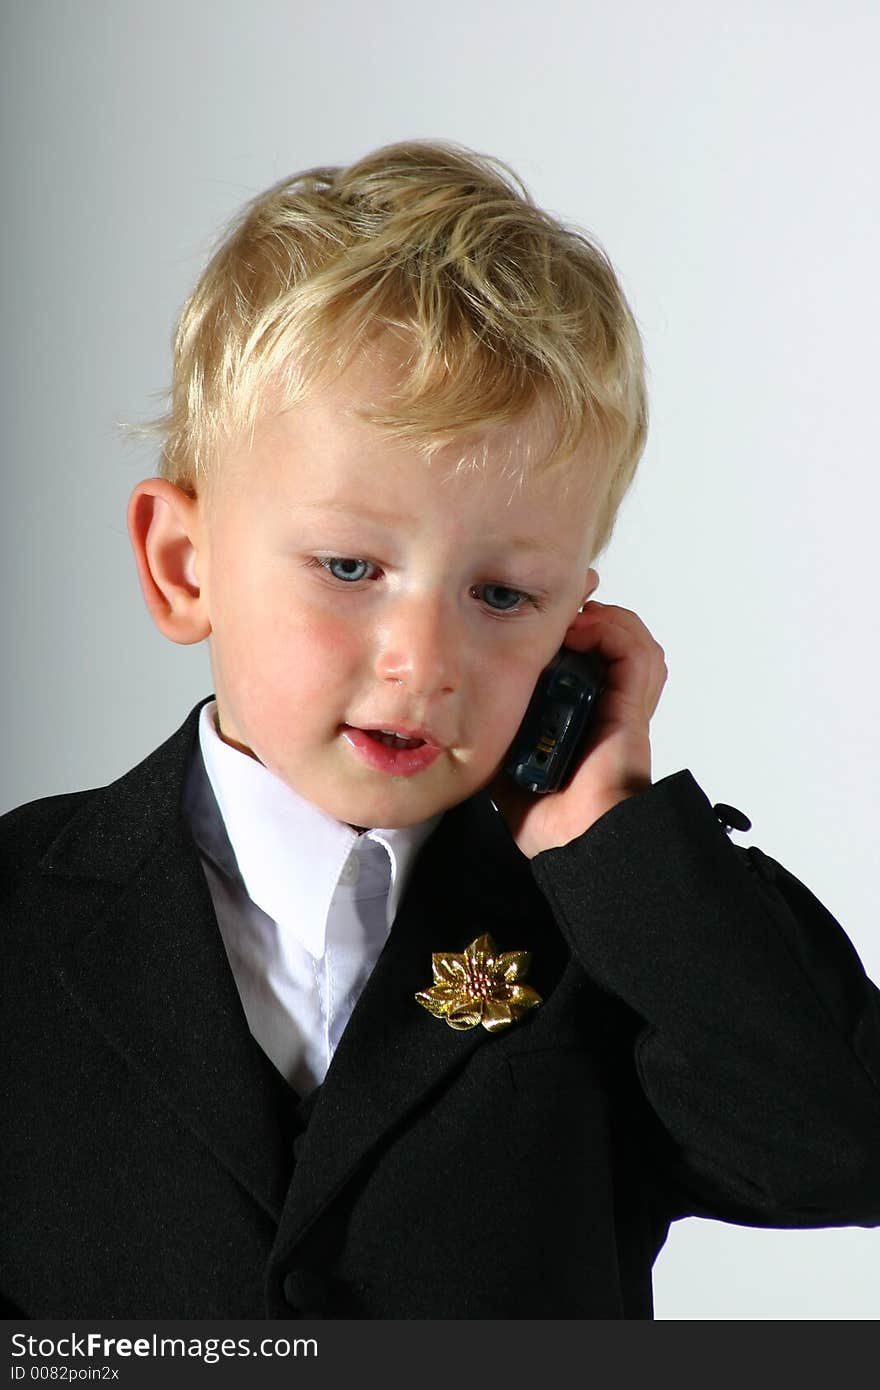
pixel 760 1050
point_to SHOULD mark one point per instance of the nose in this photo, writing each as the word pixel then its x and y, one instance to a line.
pixel 419 643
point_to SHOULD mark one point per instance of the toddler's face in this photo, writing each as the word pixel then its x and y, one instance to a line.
pixel 353 587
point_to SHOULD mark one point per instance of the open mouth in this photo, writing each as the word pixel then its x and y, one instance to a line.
pixel 389 752
pixel 394 740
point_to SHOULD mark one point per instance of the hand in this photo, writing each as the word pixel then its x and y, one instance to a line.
pixel 616 762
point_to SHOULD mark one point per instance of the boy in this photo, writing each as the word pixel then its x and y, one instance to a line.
pixel 314 1013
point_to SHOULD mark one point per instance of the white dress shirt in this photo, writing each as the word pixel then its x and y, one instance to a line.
pixel 304 903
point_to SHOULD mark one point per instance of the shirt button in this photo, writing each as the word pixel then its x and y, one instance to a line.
pixel 351 869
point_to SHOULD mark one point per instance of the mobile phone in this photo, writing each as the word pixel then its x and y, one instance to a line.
pixel 556 724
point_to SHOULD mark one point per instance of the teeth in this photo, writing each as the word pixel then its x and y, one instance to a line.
pixel 393 740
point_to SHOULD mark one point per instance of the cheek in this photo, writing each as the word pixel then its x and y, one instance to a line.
pixel 291 680
pixel 267 614
pixel 505 686
pixel 310 650
pixel 270 643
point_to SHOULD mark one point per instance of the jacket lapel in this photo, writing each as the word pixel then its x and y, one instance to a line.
pixel 150 972
pixel 469 879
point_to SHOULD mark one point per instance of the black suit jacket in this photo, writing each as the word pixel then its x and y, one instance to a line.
pixel 707 1044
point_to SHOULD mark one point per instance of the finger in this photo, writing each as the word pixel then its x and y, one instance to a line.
pixel 618 632
pixel 637 663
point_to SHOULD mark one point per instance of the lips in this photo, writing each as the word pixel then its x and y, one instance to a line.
pixel 387 753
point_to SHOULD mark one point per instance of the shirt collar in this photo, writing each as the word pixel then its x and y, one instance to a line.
pixel 288 853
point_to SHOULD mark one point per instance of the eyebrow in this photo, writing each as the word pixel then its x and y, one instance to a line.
pixel 394 519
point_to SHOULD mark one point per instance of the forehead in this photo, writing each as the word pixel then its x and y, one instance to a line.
pixel 325 451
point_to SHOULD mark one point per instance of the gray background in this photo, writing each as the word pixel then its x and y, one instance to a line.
pixel 726 157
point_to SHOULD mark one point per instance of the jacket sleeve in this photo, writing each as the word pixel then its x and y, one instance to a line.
pixel 757 1045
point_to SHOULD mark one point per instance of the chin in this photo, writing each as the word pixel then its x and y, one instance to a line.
pixel 391 812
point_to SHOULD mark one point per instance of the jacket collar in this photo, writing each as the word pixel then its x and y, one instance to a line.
pixel 146 965
pixel 122 823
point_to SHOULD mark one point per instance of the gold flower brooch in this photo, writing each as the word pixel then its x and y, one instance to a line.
pixel 482 985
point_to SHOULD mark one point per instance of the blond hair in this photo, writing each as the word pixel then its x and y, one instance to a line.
pixel 498 306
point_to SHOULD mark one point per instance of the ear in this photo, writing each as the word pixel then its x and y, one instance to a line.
pixel 591 584
pixel 165 527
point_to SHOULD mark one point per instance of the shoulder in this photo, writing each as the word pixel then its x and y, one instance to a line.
pixel 27 831
pixel 31 900
pixel 35 907
pixel 103 826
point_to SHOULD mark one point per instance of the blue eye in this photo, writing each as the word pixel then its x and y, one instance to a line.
pixel 343 567
pixel 504 600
